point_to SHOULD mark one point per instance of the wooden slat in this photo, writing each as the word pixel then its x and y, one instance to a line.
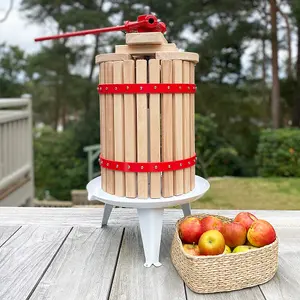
pixel 111 57
pixel 142 127
pixel 92 216
pixel 146 38
pixel 25 257
pixel 286 283
pixel 13 146
pixel 246 294
pixel 154 106
pixel 6 232
pixel 167 125
pixel 135 282
pixel 109 135
pixel 5 150
pixel 1 152
pixel 144 49
pixel 192 108
pixel 119 129
pixel 102 125
pixel 177 127
pixel 130 129
pixel 187 56
pixel 84 266
pixel 186 128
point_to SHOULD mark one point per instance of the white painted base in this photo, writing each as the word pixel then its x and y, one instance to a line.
pixel 96 193
pixel 150 213
pixel 151 234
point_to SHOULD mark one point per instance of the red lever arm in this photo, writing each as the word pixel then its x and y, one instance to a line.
pixel 144 23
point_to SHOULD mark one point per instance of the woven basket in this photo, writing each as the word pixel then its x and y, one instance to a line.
pixel 224 272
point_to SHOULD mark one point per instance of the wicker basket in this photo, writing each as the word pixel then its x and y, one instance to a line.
pixel 225 272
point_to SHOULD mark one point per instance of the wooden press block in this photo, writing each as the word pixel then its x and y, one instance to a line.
pixel 111 57
pixel 146 38
pixel 144 49
pixel 188 56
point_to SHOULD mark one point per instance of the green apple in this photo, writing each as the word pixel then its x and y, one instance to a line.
pixel 227 250
pixel 243 248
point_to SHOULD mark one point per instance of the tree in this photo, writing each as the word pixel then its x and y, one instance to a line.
pixel 12 69
pixel 7 13
pixel 289 41
pixel 275 84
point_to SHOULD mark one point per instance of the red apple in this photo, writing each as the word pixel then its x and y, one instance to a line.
pixel 234 234
pixel 211 243
pixel 190 230
pixel 261 233
pixel 211 223
pixel 191 249
pixel 245 218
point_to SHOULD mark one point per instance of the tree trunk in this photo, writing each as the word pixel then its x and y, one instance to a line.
pixel 90 78
pixel 275 84
pixel 289 43
pixel 296 108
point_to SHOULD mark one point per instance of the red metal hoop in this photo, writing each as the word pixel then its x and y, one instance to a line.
pixel 147 166
pixel 147 88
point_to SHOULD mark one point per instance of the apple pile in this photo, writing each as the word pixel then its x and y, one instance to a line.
pixel 210 236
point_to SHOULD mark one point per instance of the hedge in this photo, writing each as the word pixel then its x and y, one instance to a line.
pixel 278 153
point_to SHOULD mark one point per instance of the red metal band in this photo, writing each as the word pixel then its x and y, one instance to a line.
pixel 147 88
pixel 147 166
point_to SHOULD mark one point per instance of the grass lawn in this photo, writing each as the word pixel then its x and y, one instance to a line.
pixel 252 193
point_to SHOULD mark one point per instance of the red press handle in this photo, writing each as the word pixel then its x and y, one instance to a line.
pixel 144 23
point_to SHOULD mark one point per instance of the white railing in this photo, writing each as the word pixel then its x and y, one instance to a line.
pixel 16 160
pixel 93 154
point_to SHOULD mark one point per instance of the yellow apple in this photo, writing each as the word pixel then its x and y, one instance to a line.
pixel 211 242
pixel 227 250
pixel 243 248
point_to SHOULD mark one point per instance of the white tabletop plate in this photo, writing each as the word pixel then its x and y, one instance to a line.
pixel 96 193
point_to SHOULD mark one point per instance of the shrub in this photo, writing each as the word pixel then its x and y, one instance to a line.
pixel 58 169
pixel 278 153
pixel 215 156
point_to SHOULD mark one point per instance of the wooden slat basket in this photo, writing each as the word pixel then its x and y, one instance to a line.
pixel 147 127
pixel 224 272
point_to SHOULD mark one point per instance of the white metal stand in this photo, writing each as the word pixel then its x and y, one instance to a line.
pixel 150 212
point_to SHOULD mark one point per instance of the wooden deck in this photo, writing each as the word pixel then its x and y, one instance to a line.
pixel 62 253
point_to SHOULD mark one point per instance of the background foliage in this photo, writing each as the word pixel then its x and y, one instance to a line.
pixel 234 97
pixel 278 153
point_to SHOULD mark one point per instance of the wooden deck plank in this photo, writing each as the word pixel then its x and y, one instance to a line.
pixel 91 217
pixel 25 257
pixel 6 232
pixel 84 266
pixel 43 257
pixel 133 281
pixel 286 283
pixel 246 294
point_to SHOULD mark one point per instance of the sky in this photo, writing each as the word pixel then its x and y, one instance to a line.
pixel 17 30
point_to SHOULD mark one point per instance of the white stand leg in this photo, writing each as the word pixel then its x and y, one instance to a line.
pixel 186 208
pixel 107 211
pixel 151 225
